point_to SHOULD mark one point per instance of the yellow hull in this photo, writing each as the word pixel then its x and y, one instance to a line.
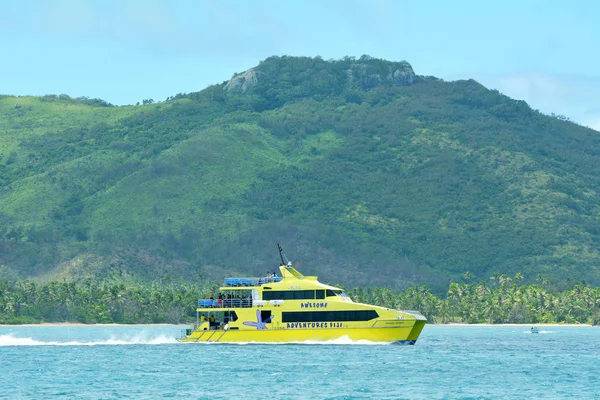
pixel 406 334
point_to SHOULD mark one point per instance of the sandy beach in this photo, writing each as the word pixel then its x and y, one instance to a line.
pixel 67 324
pixel 457 324
pixel 517 325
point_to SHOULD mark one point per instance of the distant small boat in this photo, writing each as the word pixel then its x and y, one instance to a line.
pixel 534 330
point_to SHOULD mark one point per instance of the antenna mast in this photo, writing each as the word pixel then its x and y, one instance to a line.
pixel 280 254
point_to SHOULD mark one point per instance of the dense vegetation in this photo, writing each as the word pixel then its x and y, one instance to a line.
pixel 504 301
pixel 369 174
pixel 94 302
pixel 507 301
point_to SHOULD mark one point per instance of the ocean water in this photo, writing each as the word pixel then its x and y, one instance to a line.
pixel 145 362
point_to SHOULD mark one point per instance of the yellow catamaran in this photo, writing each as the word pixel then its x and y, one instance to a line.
pixel 296 308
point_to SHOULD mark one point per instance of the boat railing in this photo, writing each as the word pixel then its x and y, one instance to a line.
pixel 412 312
pixel 236 282
pixel 186 332
pixel 225 303
pixel 417 314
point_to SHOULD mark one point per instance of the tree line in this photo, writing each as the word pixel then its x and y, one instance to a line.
pixel 99 302
pixel 503 300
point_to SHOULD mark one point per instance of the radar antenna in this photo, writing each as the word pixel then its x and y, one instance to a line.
pixel 280 254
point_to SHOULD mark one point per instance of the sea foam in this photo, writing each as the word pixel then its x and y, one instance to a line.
pixel 11 340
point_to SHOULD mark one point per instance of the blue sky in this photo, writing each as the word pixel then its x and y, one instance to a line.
pixel 123 51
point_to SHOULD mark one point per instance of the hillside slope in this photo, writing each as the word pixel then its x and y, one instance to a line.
pixel 367 173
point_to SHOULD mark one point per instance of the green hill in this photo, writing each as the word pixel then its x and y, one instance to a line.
pixel 367 174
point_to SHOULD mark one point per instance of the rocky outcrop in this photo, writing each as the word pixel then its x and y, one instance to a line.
pixel 243 81
pixel 402 76
pixel 365 73
pixel 365 76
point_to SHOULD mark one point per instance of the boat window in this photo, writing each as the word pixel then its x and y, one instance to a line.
pixel 328 316
pixel 331 293
pixel 289 295
pixel 230 316
pixel 265 316
pixel 320 294
pixel 304 295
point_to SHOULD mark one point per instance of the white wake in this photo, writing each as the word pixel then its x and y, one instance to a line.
pixel 11 340
pixel 344 340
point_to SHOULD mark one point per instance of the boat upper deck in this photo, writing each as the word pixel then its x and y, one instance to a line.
pixel 250 292
pixel 241 282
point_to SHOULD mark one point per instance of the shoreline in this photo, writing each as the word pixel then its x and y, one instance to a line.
pixel 69 324
pixel 460 324
pixel 450 324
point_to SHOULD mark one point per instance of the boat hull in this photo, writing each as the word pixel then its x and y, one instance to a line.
pixel 405 334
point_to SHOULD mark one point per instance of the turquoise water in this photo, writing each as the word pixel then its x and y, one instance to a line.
pixel 446 363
